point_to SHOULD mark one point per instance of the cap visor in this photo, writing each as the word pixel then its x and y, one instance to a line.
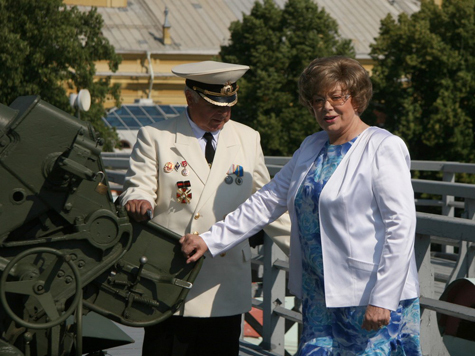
pixel 220 100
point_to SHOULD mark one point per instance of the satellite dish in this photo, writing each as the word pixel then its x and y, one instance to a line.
pixel 73 100
pixel 82 101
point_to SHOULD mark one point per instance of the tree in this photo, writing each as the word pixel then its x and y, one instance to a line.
pixel 45 47
pixel 424 79
pixel 278 44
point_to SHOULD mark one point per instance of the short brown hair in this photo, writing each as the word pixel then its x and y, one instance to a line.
pixel 323 74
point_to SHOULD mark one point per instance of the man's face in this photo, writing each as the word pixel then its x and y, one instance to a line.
pixel 207 116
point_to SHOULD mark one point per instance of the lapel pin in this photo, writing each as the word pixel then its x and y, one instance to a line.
pixel 168 167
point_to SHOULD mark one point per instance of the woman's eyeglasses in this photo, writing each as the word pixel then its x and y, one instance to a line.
pixel 318 102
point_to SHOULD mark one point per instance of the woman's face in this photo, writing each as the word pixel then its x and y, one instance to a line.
pixel 335 114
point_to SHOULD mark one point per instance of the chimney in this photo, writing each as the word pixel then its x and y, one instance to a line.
pixel 167 40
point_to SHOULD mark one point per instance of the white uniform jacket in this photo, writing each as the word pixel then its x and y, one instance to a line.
pixel 367 221
pixel 223 286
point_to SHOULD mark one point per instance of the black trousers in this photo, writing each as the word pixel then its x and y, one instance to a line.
pixel 185 336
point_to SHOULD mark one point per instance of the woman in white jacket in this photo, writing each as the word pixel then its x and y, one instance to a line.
pixel 349 195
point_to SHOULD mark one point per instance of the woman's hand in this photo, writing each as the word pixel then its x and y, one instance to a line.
pixel 375 318
pixel 193 247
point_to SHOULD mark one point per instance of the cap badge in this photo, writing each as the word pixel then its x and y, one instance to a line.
pixel 227 89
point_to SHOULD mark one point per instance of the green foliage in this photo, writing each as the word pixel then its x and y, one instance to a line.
pixel 45 46
pixel 424 79
pixel 278 44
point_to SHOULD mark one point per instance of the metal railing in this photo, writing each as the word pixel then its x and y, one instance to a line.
pixel 443 228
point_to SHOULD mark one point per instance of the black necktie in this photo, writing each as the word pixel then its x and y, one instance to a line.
pixel 209 150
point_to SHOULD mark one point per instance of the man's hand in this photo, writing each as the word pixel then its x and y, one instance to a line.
pixel 138 209
pixel 193 247
pixel 375 318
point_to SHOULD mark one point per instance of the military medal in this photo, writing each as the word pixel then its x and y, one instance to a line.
pixel 185 171
pixel 228 179
pixel 168 167
pixel 236 170
pixel 239 172
pixel 183 193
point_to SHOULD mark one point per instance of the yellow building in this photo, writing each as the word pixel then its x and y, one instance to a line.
pixel 152 36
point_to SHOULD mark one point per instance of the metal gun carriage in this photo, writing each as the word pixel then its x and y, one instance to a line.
pixel 65 247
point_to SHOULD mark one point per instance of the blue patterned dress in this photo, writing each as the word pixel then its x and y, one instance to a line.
pixel 338 331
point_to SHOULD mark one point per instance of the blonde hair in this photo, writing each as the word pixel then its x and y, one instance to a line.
pixel 323 74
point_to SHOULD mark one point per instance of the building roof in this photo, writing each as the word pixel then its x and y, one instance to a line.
pixel 202 26
pixel 129 118
pixel 135 116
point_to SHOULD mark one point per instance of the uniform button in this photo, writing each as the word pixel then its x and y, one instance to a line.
pixel 197 216
pixel 196 233
pixel 223 254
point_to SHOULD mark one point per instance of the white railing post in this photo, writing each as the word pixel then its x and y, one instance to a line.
pixel 469 247
pixel 274 295
pixel 431 340
pixel 447 208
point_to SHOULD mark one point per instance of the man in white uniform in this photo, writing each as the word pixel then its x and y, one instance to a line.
pixel 189 172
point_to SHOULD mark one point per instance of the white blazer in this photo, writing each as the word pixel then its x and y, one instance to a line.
pixel 367 221
pixel 223 286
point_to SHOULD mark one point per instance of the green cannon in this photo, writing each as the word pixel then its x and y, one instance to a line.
pixel 65 248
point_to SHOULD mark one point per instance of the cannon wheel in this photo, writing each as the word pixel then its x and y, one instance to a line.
pixel 40 288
